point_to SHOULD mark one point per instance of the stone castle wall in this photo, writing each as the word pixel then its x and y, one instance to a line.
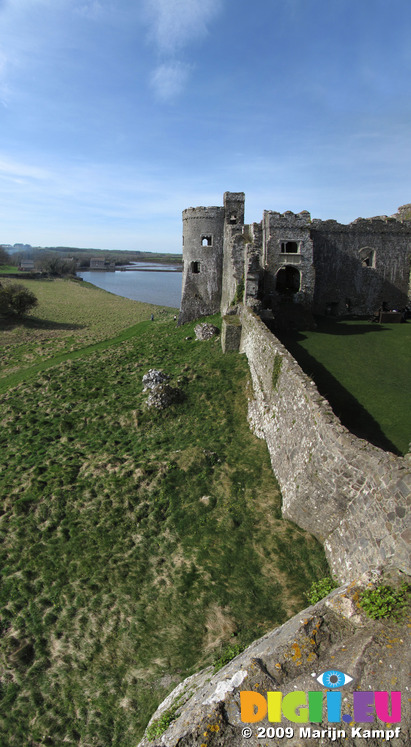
pixel 348 493
pixel 343 279
pixel 278 229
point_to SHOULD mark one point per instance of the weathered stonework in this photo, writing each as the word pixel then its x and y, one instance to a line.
pixel 203 233
pixel 205 331
pixel 231 334
pixel 343 276
pixel 351 495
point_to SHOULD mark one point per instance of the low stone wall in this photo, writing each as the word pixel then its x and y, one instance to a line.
pixel 231 334
pixel 348 493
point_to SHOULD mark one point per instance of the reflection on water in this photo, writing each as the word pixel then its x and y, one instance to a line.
pixel 162 288
pixel 151 266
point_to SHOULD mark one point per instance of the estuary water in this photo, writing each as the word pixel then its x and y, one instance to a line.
pixel 141 281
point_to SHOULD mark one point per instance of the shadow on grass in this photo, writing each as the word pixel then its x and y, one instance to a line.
pixel 34 322
pixel 330 326
pixel 346 407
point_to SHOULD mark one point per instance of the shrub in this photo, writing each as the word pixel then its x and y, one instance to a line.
pixel 159 726
pixel 17 299
pixel 320 589
pixel 228 653
pixel 385 601
pixel 58 267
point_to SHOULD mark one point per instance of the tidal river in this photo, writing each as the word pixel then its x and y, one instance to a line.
pixel 141 281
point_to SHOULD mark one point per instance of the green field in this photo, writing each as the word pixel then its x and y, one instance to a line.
pixel 363 369
pixel 70 315
pixel 135 544
pixel 8 269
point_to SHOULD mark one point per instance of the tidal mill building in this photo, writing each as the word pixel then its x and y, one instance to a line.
pixel 291 261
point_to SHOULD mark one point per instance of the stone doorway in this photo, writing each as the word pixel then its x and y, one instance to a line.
pixel 288 280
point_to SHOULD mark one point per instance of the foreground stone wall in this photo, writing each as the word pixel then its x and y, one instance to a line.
pixel 351 495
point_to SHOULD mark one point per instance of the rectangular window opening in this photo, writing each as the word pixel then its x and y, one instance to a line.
pixel 290 247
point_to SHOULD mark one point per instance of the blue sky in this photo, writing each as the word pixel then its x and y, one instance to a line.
pixel 115 115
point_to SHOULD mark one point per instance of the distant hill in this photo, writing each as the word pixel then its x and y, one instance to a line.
pixel 117 256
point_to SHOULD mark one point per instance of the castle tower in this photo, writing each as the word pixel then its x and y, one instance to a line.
pixel 234 248
pixel 288 257
pixel 203 240
pixel 234 208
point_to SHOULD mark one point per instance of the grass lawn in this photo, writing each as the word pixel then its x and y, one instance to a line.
pixel 135 544
pixel 363 369
pixel 70 315
pixel 8 269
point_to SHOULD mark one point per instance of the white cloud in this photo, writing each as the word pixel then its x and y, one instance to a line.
pixel 175 23
pixel 169 79
pixel 91 9
pixel 15 170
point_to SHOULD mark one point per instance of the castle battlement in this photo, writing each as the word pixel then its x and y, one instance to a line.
pixel 202 212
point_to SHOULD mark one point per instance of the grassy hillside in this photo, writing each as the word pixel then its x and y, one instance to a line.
pixel 135 544
pixel 70 315
pixel 363 369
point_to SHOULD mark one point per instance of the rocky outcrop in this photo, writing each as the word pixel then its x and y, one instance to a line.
pixel 205 331
pixel 153 378
pixel 334 634
pixel 161 395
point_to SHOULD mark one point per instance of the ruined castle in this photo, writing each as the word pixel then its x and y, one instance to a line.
pixel 324 267
pixel 327 475
pixel 354 497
